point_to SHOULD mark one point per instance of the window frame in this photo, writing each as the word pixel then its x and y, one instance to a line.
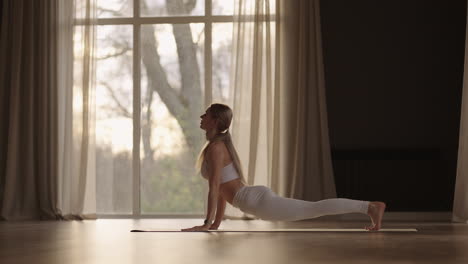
pixel 136 22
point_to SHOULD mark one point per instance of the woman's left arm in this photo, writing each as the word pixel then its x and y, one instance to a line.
pixel 215 156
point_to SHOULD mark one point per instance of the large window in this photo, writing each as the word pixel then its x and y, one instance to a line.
pixel 159 63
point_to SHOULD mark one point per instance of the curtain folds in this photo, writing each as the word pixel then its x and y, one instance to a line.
pixel 46 111
pixel 253 91
pixel 460 203
pixel 76 115
pixel 278 96
pixel 28 123
pixel 311 176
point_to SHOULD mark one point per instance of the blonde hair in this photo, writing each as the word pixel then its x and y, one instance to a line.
pixel 223 114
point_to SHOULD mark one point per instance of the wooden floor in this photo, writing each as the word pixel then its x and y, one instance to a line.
pixel 110 241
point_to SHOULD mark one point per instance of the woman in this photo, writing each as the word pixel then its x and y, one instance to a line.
pixel 220 165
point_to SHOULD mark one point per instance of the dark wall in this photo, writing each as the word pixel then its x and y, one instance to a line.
pixel 1 16
pixel 394 72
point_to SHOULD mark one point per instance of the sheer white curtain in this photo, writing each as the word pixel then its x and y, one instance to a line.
pixel 277 89
pixel 252 89
pixel 76 103
pixel 460 204
pixel 252 61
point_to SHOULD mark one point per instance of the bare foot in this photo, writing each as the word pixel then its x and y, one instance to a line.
pixel 375 211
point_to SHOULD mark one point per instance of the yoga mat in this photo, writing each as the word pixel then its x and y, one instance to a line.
pixel 286 230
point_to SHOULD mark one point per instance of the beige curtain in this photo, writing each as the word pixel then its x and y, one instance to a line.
pixel 47 112
pixel 460 204
pixel 278 96
pixel 310 175
pixel 76 115
pixel 28 123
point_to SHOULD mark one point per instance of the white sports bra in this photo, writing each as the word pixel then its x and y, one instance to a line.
pixel 228 173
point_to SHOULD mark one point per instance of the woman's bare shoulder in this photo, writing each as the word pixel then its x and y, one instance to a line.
pixel 216 149
pixel 216 146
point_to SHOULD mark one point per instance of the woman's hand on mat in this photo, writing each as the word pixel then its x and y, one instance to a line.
pixel 196 228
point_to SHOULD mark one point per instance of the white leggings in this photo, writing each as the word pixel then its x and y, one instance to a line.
pixel 264 203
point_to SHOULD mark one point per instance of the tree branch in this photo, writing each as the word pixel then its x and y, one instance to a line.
pixel 190 5
pixel 120 107
pixel 113 12
pixel 116 54
pixel 185 105
pixel 157 79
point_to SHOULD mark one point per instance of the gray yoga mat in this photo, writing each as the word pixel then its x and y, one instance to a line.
pixel 286 230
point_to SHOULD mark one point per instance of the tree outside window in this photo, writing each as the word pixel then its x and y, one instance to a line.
pixel 171 53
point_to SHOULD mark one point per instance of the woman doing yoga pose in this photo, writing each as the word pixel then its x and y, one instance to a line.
pixel 220 165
